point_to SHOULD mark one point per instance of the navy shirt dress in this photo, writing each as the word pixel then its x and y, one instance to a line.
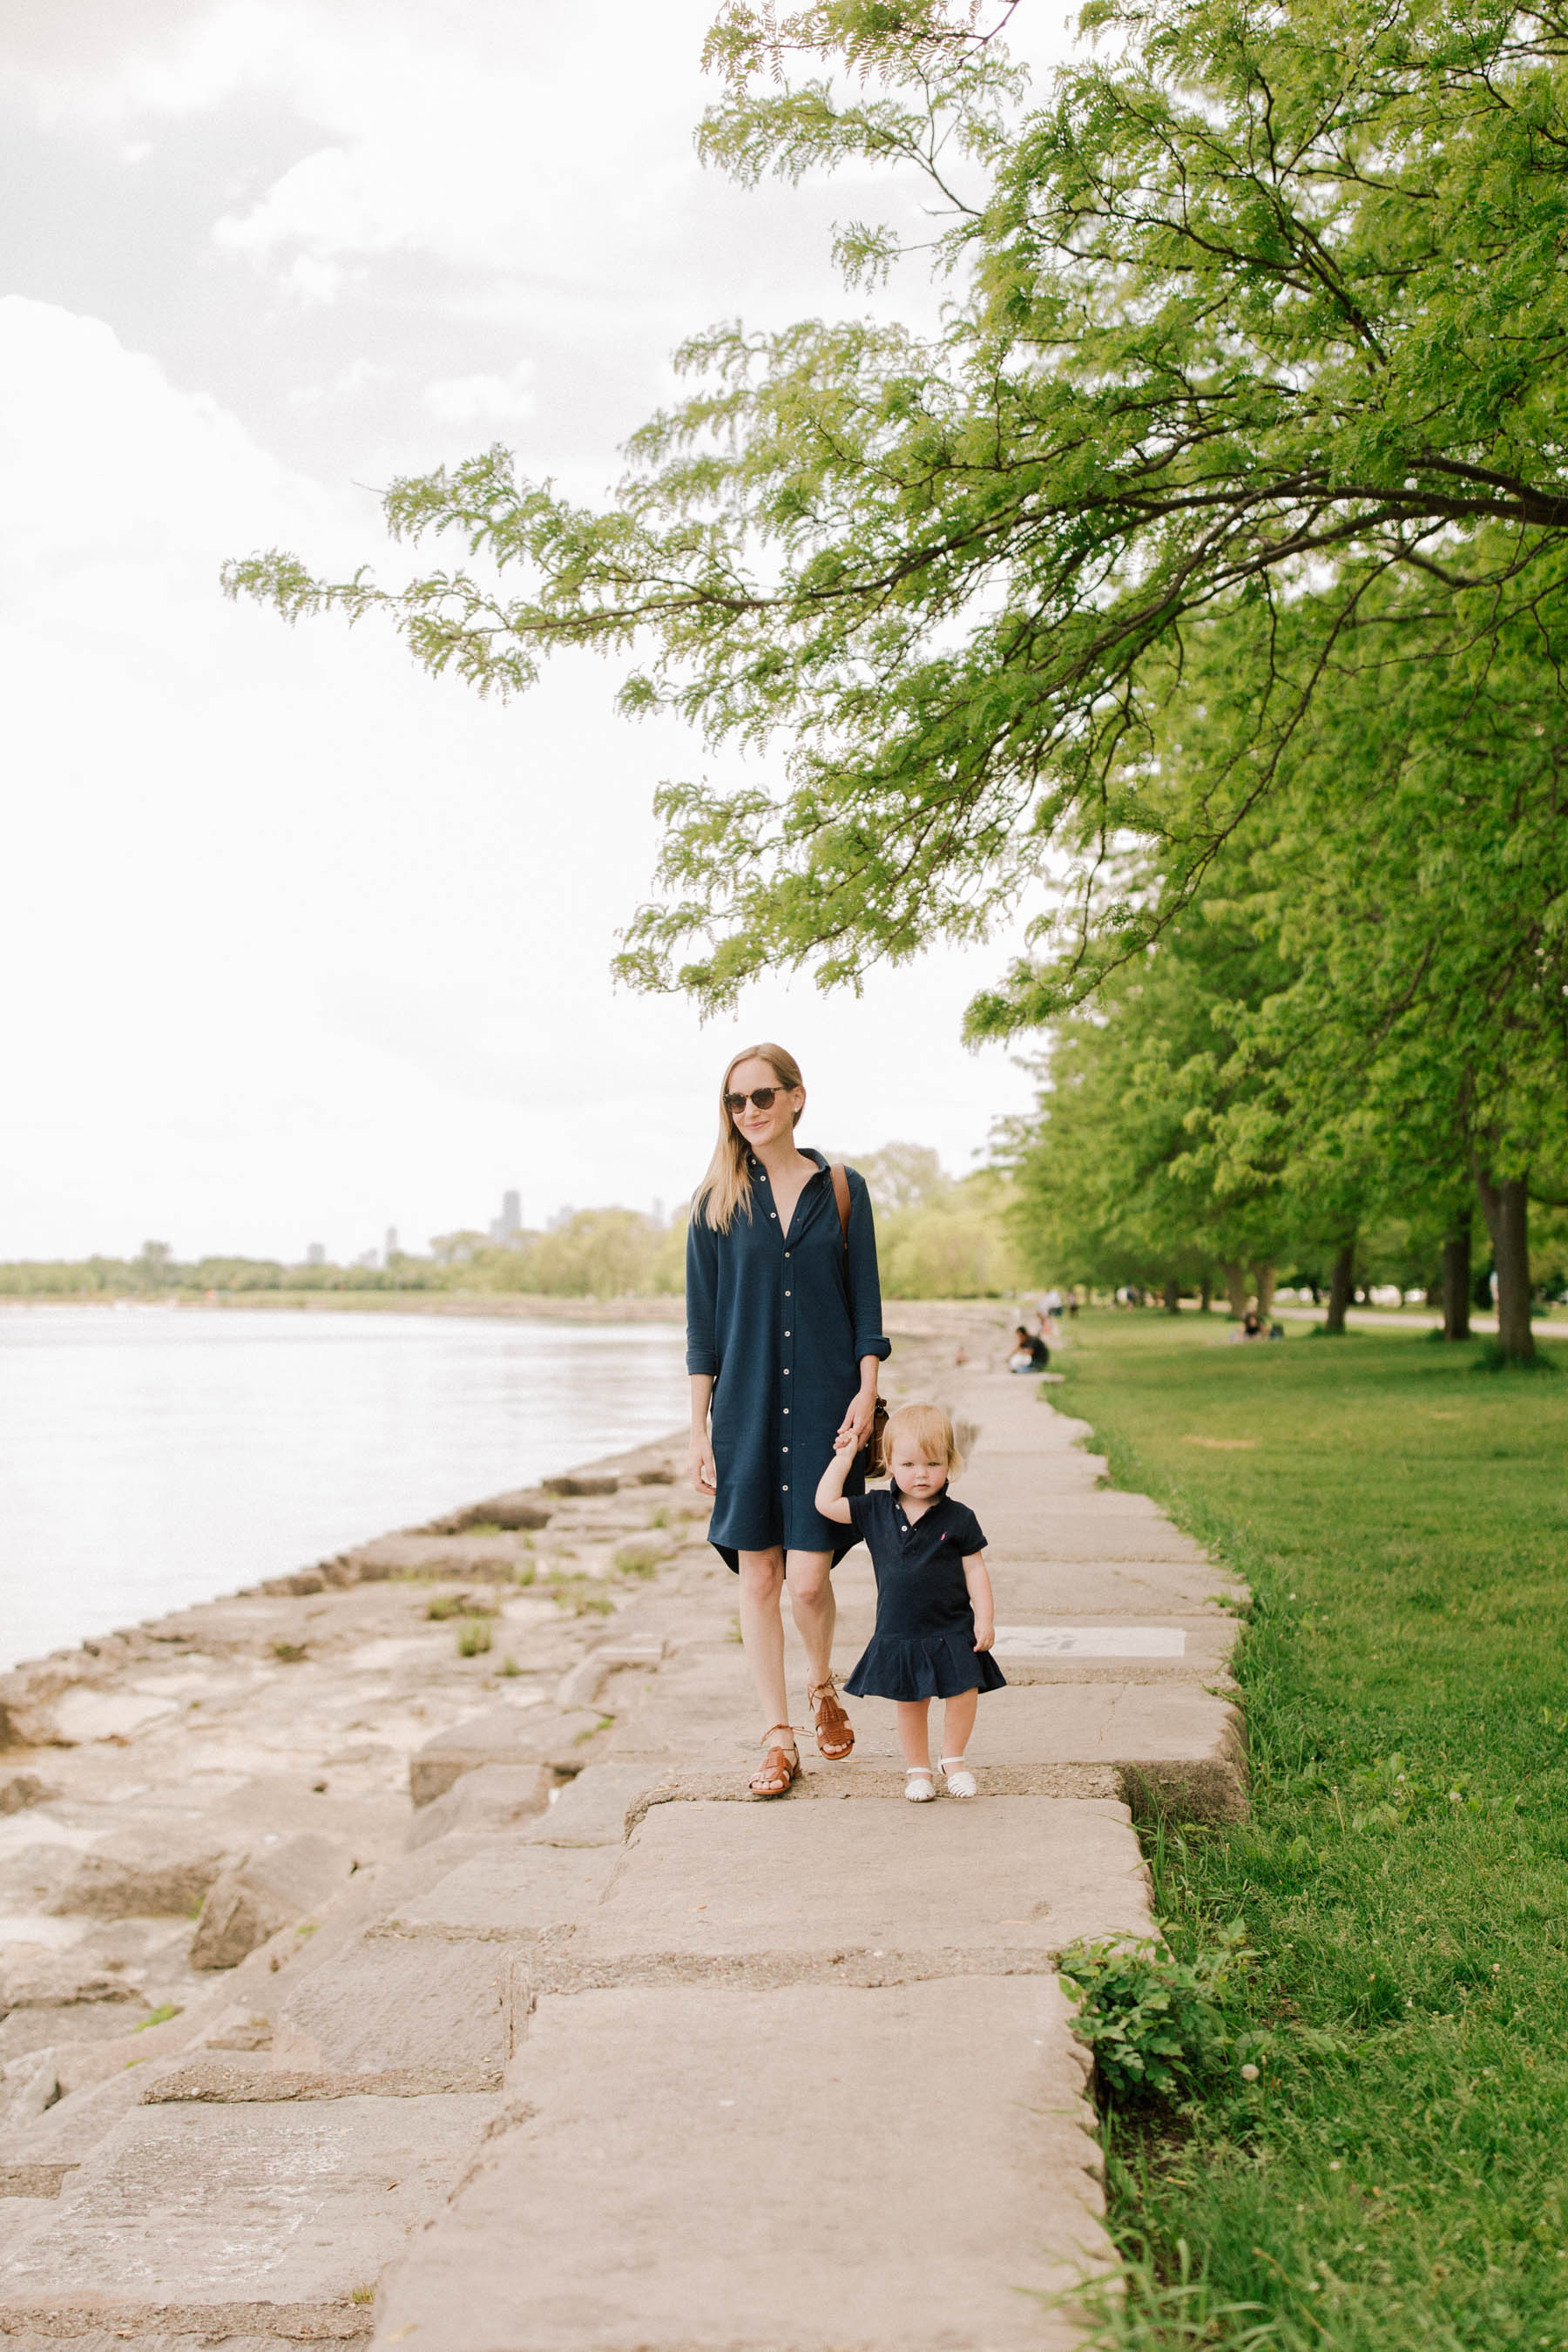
pixel 781 1320
pixel 924 1645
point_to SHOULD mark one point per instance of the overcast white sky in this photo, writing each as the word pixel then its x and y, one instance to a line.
pixel 297 943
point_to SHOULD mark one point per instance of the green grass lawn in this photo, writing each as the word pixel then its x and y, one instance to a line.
pixel 1398 2174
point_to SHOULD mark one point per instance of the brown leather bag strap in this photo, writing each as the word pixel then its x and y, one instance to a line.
pixel 841 1194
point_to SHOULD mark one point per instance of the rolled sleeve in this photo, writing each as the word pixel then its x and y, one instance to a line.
pixel 864 1282
pixel 701 1297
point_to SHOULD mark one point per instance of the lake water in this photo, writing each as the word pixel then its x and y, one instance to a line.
pixel 151 1457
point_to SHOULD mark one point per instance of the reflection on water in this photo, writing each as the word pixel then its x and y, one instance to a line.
pixel 151 1457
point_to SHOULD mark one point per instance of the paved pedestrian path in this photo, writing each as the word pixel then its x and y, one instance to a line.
pixel 670 2070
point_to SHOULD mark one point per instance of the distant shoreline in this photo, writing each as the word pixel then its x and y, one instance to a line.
pixel 919 1317
pixel 534 1307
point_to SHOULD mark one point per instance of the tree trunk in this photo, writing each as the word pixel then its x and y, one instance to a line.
pixel 1173 1294
pixel 1456 1279
pixel 1235 1283
pixel 1506 1207
pixel 1264 1278
pixel 1206 1294
pixel 1341 1283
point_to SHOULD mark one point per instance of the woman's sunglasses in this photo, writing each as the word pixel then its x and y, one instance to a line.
pixel 762 1097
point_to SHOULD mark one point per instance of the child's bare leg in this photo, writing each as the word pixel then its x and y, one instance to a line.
pixel 957 1722
pixel 914 1739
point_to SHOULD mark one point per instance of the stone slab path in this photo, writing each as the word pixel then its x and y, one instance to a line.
pixel 615 2060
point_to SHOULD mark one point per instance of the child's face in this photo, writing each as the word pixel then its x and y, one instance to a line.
pixel 915 1472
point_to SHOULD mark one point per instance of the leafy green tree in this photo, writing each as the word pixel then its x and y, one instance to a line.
pixel 902 1176
pixel 1124 1174
pixel 1262 297
pixel 1413 866
pixel 955 1242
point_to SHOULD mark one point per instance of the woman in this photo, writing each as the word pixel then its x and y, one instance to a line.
pixel 783 1328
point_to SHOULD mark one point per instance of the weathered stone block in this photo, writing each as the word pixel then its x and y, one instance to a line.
pixel 21 1790
pixel 393 2002
pixel 592 1809
pixel 270 1889
pixel 583 1483
pixel 572 2233
pixel 524 1508
pixel 491 1559
pixel 501 1735
pixel 141 1873
pixel 495 1798
pixel 221 2221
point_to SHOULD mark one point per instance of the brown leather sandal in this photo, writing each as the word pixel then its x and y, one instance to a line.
pixel 777 1768
pixel 835 1732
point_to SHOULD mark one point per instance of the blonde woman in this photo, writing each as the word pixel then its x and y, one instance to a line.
pixel 783 1337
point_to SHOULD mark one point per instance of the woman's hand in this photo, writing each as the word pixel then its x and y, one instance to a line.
pixel 700 1465
pixel 856 1426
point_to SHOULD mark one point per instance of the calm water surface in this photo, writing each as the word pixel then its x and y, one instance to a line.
pixel 150 1457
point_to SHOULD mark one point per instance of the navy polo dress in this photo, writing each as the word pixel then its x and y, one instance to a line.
pixel 781 1321
pixel 924 1645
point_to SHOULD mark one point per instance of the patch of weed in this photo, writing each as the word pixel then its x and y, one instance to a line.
pixel 473 1637
pixel 290 1653
pixel 159 2016
pixel 580 1595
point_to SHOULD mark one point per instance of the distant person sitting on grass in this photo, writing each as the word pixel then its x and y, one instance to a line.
pixel 936 1620
pixel 1030 1353
pixel 1252 1328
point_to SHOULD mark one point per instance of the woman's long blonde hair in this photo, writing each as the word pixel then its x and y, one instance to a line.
pixel 728 1183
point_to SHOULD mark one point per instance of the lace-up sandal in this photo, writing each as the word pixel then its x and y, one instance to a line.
pixel 835 1732
pixel 778 1767
pixel 957 1778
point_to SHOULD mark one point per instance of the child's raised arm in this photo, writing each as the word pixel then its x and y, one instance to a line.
pixel 979 1583
pixel 830 1499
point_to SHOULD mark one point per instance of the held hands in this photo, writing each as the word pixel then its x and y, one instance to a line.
pixel 700 1466
pixel 856 1426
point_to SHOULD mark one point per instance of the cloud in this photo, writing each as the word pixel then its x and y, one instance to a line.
pixel 308 943
pixel 483 400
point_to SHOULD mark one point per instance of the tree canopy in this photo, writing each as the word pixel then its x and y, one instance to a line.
pixel 1209 552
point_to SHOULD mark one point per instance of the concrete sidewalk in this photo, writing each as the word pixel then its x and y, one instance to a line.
pixel 665 2069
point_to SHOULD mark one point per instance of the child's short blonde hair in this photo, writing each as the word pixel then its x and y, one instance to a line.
pixel 927 1426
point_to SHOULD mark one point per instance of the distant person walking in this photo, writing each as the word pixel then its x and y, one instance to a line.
pixel 784 1339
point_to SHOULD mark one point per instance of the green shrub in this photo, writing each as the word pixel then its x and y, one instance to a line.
pixel 1155 2024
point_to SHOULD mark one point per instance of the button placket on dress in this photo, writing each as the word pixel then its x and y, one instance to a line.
pixel 787 1369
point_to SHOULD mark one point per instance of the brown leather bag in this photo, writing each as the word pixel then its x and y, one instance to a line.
pixel 874 1449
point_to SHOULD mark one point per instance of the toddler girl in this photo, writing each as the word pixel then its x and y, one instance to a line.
pixel 935 1617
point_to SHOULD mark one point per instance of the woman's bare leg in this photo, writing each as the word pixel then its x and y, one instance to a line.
pixel 762 1632
pixel 814 1610
pixel 914 1737
pixel 958 1722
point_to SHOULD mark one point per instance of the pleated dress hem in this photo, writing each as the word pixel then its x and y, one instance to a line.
pixel 932 1665
pixel 730 1553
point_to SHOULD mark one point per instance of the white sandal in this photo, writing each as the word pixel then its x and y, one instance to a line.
pixel 914 1774
pixel 957 1778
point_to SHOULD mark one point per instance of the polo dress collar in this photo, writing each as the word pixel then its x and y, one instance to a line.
pixel 896 1499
